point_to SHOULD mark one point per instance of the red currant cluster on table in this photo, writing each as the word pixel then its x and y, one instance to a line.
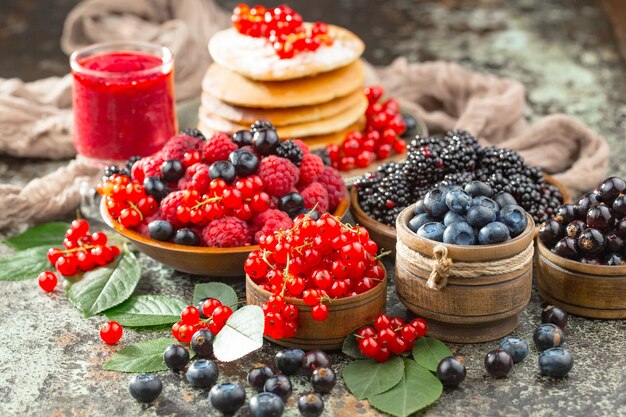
pixel 222 191
pixel 210 314
pixel 389 336
pixel 282 27
pixel 382 135
pixel 82 251
pixel 316 261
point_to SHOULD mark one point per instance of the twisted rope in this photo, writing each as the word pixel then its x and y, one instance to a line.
pixel 442 267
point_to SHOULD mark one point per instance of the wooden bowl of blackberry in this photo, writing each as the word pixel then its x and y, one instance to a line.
pixel 581 254
pixel 378 197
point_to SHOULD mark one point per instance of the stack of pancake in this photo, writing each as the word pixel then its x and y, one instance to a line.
pixel 314 96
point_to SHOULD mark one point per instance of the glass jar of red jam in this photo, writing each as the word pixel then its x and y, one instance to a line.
pixel 123 100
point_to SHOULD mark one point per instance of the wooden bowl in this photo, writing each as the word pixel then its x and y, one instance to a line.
pixel 344 315
pixel 385 236
pixel 596 291
pixel 197 260
pixel 467 310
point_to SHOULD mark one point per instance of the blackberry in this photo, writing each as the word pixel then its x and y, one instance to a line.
pixel 384 198
pixel 109 171
pixel 191 131
pixel 324 155
pixel 288 149
pixel 131 161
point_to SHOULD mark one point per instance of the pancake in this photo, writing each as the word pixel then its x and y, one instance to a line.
pixel 319 127
pixel 283 116
pixel 255 58
pixel 237 90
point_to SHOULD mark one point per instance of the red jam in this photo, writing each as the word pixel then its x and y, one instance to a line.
pixel 123 105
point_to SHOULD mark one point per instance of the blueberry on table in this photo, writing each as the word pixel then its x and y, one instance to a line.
pixel 314 359
pixel 515 218
pixel 451 372
pixel 246 163
pixel 202 373
pixel 187 237
pixel 289 361
pixel 493 233
pixel 516 347
pixel 418 221
pixel 550 232
pixel 145 388
pixel 505 199
pixel 555 362
pixel 435 203
pixel 258 375
pixel 280 385
pixel 266 404
pixel 224 170
pixel 161 230
pixel 459 234
pixel 311 405
pixel 323 380
pixel 498 363
pixel 458 200
pixel 227 398
pixel 176 357
pixel 202 343
pixel 548 336
pixel 478 188
pixel 433 231
pixel 554 315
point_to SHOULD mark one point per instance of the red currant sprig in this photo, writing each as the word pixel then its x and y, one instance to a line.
pixel 389 336
pixel 191 321
pixel 127 200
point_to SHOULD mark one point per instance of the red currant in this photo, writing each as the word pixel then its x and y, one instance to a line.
pixel 382 322
pixel 408 333
pixel 221 314
pixel 366 331
pixel 66 265
pixel 319 312
pixel 47 281
pixel 190 315
pixel 185 332
pixel 111 332
pixel 421 327
pixel 54 254
pixel 369 346
pixel 80 227
pixel 382 355
pixel 209 306
pixel 99 238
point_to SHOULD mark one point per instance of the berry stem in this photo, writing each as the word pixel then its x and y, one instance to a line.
pixel 134 206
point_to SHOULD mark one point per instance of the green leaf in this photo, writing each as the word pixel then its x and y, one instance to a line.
pixel 242 334
pixel 49 234
pixel 221 291
pixel 147 310
pixel 365 378
pixel 417 389
pixel 351 347
pixel 104 288
pixel 428 352
pixel 24 264
pixel 146 356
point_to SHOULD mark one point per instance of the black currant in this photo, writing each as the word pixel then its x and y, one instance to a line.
pixel 258 375
pixel 280 385
pixel 261 124
pixel 323 380
pixel 584 204
pixel 548 336
pixel 554 315
pixel 619 206
pixel 156 188
pixel 600 217
pixel 145 388
pixel 291 203
pixel 551 232
pixel 567 248
pixel 227 398
pixel 176 357
pixel 451 371
pixel 289 361
pixel 613 259
pixel 311 405
pixel 193 132
pixel 242 138
pixel 575 228
pixel 246 163
pixel 202 343
pixel 172 170
pixel 591 242
pixel 565 214
pixel 498 363
pixel 614 242
pixel 315 359
pixel 265 141
pixel 610 189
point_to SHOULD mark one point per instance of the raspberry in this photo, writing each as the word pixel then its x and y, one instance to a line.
pixel 331 179
pixel 147 167
pixel 269 221
pixel 196 178
pixel 278 174
pixel 314 194
pixel 217 148
pixel 310 168
pixel 169 205
pixel 227 232
pixel 302 145
pixel 178 145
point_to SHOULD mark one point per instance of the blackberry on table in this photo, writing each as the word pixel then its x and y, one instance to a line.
pixel 288 149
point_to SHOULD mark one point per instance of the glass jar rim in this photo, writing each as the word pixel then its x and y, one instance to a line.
pixel 167 58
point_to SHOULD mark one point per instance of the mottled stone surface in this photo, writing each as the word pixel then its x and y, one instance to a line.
pixel 563 51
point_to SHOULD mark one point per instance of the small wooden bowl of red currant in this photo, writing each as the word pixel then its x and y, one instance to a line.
pixel 316 282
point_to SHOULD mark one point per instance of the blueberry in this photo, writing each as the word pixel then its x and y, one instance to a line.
pixel 411 124
pixel 289 361
pixel 202 343
pixel 504 199
pixel 186 237
pixel 478 188
pixel 458 200
pixel 548 336
pixel 419 208
pixel 172 170
pixel 280 385
pixel 264 141
pixel 314 359
pixel 246 163
pixel 291 203
pixel 418 221
pixel 498 363
pixel 266 404
pixel 261 124
pixel 161 230
pixel 242 138
pixel 323 380
pixel 451 372
pixel 314 214
pixel 202 373
pixel 227 398
pixel 487 202
pixel 555 362
pixel 451 217
pixel 515 218
pixel 433 231
pixel 554 315
pixel 145 388
pixel 156 188
pixel 258 375
pixel 224 170
pixel 516 347
pixel 311 405
pixel 492 233
pixel 435 203
pixel 459 234
pixel 479 215
pixel 176 357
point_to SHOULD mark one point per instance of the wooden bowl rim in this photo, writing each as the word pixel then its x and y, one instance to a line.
pixel 575 266
pixel 335 301
pixel 135 237
pixel 462 252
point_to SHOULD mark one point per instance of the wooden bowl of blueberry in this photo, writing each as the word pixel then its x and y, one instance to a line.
pixel 486 245
pixel 581 254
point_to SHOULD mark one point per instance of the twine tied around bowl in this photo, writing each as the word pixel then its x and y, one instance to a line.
pixel 442 267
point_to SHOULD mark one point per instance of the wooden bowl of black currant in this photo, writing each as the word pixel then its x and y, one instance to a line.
pixel 196 260
pixel 581 254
